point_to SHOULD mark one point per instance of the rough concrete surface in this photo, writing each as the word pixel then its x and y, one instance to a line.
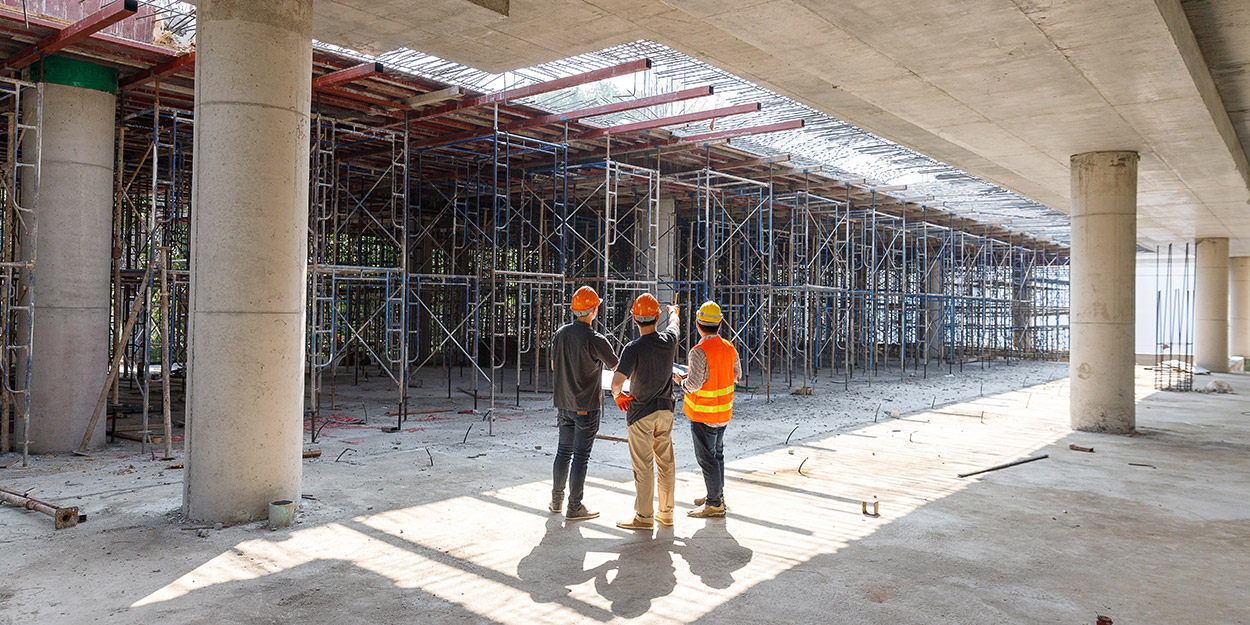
pixel 1004 89
pixel 248 257
pixel 75 203
pixel 389 538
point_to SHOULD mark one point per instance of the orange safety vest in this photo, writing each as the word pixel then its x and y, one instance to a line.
pixel 714 401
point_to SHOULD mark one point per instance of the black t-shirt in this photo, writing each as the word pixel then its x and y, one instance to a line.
pixel 579 354
pixel 648 363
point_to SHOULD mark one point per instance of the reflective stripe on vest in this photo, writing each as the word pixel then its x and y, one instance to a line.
pixel 714 401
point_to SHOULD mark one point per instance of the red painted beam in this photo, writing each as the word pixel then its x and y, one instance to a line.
pixel 684 118
pixel 594 111
pixel 623 69
pixel 691 140
pixel 172 66
pixel 793 124
pixel 344 76
pixel 362 98
pixel 74 33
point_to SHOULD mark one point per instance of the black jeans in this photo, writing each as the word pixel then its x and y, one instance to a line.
pixel 577 436
pixel 709 450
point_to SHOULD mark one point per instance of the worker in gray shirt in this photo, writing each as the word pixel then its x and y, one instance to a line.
pixel 578 356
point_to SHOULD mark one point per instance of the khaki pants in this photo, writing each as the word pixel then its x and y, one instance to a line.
pixel 651 439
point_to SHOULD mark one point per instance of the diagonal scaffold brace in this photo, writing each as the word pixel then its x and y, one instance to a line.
pixel 140 293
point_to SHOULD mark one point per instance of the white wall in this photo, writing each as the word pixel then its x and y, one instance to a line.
pixel 1152 277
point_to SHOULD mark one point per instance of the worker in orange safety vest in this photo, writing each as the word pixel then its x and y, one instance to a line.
pixel 709 400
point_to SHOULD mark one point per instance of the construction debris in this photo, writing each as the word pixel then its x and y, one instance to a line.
pixel 1079 448
pixel 1217 386
pixel 1005 465
pixel 62 517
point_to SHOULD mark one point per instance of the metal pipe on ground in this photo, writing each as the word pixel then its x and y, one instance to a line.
pixel 61 517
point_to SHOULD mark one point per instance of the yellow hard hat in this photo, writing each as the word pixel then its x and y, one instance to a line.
pixel 709 313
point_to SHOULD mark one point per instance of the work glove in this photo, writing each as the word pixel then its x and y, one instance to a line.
pixel 622 401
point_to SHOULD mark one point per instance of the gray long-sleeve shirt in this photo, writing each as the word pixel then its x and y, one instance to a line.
pixel 697 373
pixel 578 355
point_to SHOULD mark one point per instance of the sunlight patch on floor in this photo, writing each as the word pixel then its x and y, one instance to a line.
pixel 501 555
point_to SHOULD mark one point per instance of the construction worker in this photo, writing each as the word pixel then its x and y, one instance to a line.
pixel 709 401
pixel 647 362
pixel 578 356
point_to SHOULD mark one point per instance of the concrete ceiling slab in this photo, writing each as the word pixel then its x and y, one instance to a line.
pixel 1007 90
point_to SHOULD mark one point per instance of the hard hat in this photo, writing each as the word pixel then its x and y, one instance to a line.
pixel 585 300
pixel 645 308
pixel 709 313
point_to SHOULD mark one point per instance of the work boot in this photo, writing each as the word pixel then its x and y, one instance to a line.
pixel 702 500
pixel 664 519
pixel 637 523
pixel 579 513
pixel 707 512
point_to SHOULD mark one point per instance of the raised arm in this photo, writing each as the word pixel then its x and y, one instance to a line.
pixel 602 351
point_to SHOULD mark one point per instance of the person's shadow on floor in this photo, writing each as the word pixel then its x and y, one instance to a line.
pixel 557 563
pixel 644 572
pixel 714 554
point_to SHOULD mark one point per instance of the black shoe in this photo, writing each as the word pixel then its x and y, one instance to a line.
pixel 579 513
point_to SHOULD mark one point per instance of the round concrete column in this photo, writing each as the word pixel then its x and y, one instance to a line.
pixel 1211 304
pixel 1104 244
pixel 1239 306
pixel 70 354
pixel 248 257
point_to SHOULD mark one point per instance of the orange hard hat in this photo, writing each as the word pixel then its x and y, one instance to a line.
pixel 585 299
pixel 645 307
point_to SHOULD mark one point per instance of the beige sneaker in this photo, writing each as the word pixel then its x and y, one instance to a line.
pixel 700 501
pixel 580 513
pixel 665 520
pixel 636 523
pixel 707 512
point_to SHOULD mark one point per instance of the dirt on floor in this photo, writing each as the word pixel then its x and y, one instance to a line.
pixel 444 520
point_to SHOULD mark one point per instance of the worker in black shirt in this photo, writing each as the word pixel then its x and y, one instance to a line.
pixel 647 362
pixel 578 356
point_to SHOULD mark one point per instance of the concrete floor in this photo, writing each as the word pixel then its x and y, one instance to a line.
pixel 390 538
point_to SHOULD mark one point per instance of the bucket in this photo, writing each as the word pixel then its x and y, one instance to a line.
pixel 281 513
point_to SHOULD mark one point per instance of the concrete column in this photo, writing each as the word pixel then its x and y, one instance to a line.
pixel 248 257
pixel 1104 244
pixel 69 357
pixel 1211 304
pixel 1239 306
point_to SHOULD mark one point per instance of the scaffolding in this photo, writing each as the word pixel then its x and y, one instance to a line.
pixel 21 124
pixel 445 255
pixel 151 266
